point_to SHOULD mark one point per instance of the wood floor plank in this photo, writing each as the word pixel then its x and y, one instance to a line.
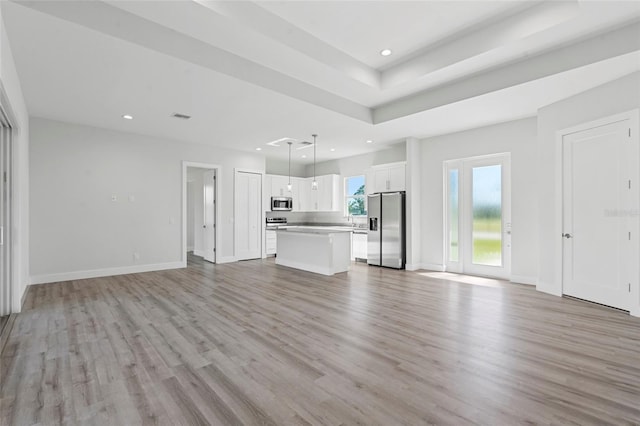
pixel 253 343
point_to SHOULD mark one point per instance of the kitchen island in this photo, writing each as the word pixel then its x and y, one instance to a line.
pixel 323 251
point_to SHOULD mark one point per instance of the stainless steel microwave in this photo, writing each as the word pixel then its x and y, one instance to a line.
pixel 281 204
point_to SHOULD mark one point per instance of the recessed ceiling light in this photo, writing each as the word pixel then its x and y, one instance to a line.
pixel 385 52
pixel 332 149
pixel 369 141
pixel 127 117
pixel 304 155
pixel 258 149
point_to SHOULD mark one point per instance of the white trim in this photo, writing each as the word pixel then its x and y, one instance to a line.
pixel 226 259
pixel 433 267
pixel 413 266
pixel 98 273
pixel 386 165
pixel 549 288
pixel 218 169
pixel 523 279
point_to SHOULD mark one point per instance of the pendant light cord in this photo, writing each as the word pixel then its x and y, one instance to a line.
pixel 289 163
pixel 314 157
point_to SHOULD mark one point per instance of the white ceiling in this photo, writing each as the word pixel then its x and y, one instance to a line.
pixel 250 73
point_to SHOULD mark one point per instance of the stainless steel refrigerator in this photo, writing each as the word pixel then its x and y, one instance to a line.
pixel 386 236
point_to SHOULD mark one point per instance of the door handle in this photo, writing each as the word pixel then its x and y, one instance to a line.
pixel 567 235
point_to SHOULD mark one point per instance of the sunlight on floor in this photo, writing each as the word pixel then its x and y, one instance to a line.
pixel 466 279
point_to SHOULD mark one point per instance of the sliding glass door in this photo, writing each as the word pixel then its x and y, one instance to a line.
pixel 478 215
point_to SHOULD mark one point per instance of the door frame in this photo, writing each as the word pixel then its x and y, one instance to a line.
pixel 8 119
pixel 464 226
pixel 634 121
pixel 185 166
pixel 263 214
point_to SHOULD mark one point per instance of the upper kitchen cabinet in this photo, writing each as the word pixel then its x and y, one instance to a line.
pixel 279 186
pixel 305 199
pixel 386 177
pixel 324 199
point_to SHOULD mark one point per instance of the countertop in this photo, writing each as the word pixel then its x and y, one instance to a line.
pixel 321 226
pixel 314 229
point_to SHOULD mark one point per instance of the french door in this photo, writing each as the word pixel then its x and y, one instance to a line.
pixel 478 216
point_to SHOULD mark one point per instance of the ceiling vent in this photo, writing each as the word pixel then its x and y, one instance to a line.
pixel 180 116
pixel 304 145
pixel 281 141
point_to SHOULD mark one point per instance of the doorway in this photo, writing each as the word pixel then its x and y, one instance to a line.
pixel 200 211
pixel 478 215
pixel 600 213
pixel 248 214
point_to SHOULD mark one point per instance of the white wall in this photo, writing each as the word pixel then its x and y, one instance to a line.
pixel 357 164
pixel 518 138
pixel 76 228
pixel 281 167
pixel 612 98
pixel 11 84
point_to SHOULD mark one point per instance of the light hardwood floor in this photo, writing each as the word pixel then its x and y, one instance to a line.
pixel 255 343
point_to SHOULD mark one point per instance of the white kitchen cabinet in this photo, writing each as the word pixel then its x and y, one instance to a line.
pixel 325 198
pixel 279 186
pixel 386 177
pixel 271 241
pixel 359 246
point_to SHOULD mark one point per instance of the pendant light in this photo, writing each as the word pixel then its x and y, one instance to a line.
pixel 289 184
pixel 314 184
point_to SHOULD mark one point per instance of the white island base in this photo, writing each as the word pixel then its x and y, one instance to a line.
pixel 325 252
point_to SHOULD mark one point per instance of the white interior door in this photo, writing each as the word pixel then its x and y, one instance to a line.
pixel 478 216
pixel 209 215
pixel 600 214
pixel 248 215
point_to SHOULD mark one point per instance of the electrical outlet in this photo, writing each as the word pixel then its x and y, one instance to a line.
pixel 136 256
pixel 114 197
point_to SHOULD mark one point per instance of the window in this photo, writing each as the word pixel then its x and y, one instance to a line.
pixel 354 196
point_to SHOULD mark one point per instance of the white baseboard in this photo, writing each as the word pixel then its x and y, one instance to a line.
pixel 227 259
pixel 548 288
pixel 97 273
pixel 413 266
pixel 522 279
pixel 433 267
pixel 190 248
pixel 635 312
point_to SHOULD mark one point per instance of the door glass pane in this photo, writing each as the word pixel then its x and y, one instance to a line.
pixel 453 215
pixel 487 215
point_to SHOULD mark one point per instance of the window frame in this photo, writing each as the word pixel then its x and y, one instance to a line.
pixel 347 197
